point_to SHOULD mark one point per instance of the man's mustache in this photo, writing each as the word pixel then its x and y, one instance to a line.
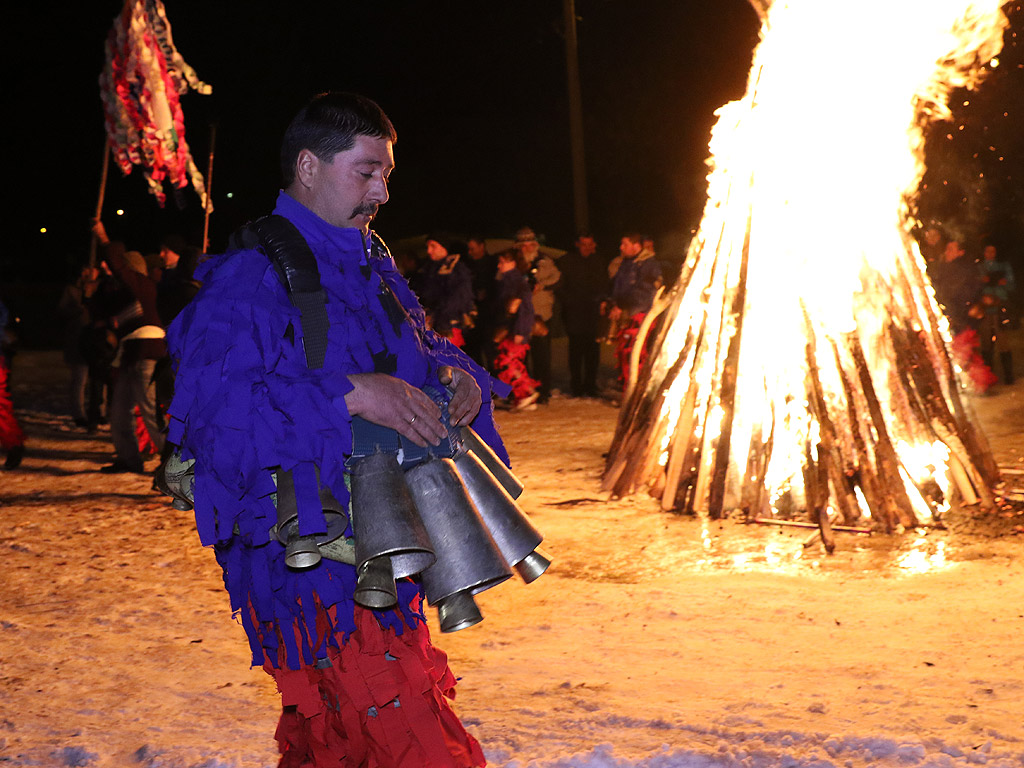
pixel 365 209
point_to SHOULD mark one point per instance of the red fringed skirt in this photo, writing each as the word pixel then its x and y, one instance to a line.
pixel 382 703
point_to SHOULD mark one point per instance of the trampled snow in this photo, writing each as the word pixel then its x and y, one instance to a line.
pixel 655 641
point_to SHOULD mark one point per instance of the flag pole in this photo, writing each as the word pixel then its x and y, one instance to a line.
pixel 99 201
pixel 209 189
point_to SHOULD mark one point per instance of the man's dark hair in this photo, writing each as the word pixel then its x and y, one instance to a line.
pixel 329 124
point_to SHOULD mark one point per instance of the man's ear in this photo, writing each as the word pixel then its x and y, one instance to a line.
pixel 306 167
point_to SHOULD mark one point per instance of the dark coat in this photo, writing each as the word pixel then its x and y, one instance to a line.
pixel 583 286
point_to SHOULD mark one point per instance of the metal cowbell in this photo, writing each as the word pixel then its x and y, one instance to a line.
pixel 475 444
pixel 385 520
pixel 517 538
pixel 303 552
pixel 375 584
pixel 468 560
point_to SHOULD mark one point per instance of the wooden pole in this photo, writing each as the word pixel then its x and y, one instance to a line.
pixel 99 199
pixel 209 190
pixel 730 374
pixel 579 168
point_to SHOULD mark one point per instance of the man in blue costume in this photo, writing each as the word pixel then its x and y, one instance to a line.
pixel 359 687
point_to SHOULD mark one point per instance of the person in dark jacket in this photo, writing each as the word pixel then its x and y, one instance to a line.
pixel 176 287
pixel 484 267
pixel 513 324
pixel 444 286
pixel 637 280
pixel 581 290
pixel 997 290
pixel 73 312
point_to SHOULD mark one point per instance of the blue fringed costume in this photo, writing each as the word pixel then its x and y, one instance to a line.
pixel 246 403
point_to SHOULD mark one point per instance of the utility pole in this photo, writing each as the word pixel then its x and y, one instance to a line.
pixel 579 168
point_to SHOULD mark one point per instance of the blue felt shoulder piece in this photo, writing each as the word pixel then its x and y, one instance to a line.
pixel 245 403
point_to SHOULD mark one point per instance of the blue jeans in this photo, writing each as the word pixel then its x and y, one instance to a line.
pixel 133 387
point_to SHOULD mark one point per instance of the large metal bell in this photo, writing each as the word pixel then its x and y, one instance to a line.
pixel 375 584
pixel 385 520
pixel 475 444
pixel 515 535
pixel 458 611
pixel 468 560
pixel 303 551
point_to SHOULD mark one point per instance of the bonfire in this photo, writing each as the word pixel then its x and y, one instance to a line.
pixel 800 368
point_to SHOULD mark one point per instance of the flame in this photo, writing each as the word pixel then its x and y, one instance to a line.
pixel 804 254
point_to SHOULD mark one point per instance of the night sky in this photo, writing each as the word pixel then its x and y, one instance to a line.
pixel 477 92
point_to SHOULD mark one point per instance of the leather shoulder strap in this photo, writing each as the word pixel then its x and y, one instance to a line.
pixel 295 264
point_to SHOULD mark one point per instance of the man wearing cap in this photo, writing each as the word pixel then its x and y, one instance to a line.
pixel 359 686
pixel 544 275
pixel 140 345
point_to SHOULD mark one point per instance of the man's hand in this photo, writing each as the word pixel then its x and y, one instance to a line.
pixel 390 402
pixel 466 397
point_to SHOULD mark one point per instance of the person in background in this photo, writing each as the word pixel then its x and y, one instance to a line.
pixel 99 344
pixel 444 286
pixel 997 289
pixel 12 438
pixel 140 345
pixel 73 313
pixel 174 290
pixel 543 275
pixel 958 289
pixel 514 321
pixel 636 281
pixel 957 285
pixel 581 290
pixel 176 286
pixel 484 267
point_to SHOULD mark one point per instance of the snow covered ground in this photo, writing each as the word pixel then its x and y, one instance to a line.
pixel 655 641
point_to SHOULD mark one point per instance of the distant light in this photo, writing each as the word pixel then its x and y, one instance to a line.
pixel 42 230
pixel 229 195
pixel 994 63
pixel 119 211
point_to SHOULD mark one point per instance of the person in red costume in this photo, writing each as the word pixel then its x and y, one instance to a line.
pixel 12 439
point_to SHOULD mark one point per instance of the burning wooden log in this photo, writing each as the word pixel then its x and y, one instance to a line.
pixel 793 374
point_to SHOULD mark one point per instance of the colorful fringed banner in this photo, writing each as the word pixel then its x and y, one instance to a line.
pixel 141 84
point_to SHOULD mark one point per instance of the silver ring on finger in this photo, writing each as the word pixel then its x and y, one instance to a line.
pixel 412 421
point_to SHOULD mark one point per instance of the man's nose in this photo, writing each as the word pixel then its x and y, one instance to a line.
pixel 379 192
